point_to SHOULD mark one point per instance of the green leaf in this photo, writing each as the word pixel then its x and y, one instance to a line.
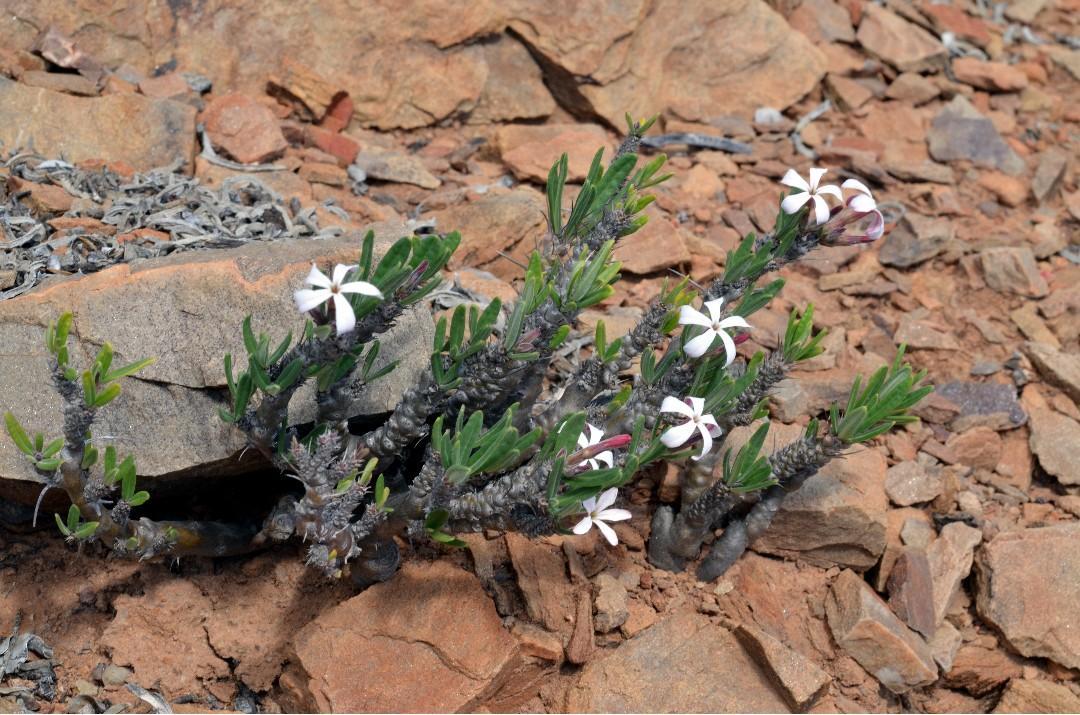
pixel 48 465
pixel 128 370
pixel 73 516
pixel 89 388
pixel 229 375
pixel 279 351
pixel 290 373
pixel 53 447
pixel 367 253
pixel 86 530
pixel 382 493
pixel 457 329
pixel 18 435
pixel 110 393
pixel 436 518
pixel 90 456
pixel 62 526
pixel 138 498
pixel 250 344
pixel 109 464
pixel 57 334
pixel 449 540
pixel 555 185
pixel 103 360
pixel 559 337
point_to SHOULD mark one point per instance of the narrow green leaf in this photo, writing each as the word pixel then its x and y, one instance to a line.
pixel 250 344
pixel 89 388
pixel 86 530
pixel 110 393
pixel 18 435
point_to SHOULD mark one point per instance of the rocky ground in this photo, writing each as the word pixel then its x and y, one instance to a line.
pixel 937 570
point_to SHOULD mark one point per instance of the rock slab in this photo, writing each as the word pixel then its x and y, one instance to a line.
pixel 146 133
pixel 837 518
pixel 869 632
pixel 1028 585
pixel 185 309
pixel 685 663
pixel 405 625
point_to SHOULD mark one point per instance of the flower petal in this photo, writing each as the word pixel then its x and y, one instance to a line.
pixel 856 185
pixel 734 321
pixel 821 210
pixel 710 422
pixel 606 457
pixel 340 271
pixel 674 404
pixel 877 226
pixel 678 435
pixel 582 441
pixel 706 443
pixel 614 515
pixel 697 347
pixel 606 499
pixel 692 316
pixel 315 277
pixel 729 347
pixel 831 190
pixel 792 179
pixel 595 435
pixel 361 287
pixel 862 204
pixel 608 532
pixel 583 526
pixel 815 178
pixel 343 312
pixel 697 404
pixel 793 203
pixel 589 505
pixel 714 308
pixel 308 298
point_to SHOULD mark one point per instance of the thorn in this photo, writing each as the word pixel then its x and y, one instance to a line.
pixel 516 262
pixel 690 280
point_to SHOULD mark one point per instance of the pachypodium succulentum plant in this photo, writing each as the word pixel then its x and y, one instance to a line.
pixel 483 440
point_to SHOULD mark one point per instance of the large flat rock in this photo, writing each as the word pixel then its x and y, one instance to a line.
pixel 685 663
pixel 1028 587
pixel 428 640
pixel 694 61
pixel 185 309
pixel 146 133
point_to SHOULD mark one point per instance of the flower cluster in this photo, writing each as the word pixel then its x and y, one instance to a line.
pixel 856 220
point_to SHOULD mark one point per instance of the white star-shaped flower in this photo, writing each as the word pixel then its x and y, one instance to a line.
pixel 864 205
pixel 594 437
pixel 863 200
pixel 809 190
pixel 597 512
pixel 679 435
pixel 714 328
pixel 333 288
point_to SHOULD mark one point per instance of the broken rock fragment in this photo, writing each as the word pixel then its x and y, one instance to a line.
pixel 244 129
pixel 867 630
pixel 1028 586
